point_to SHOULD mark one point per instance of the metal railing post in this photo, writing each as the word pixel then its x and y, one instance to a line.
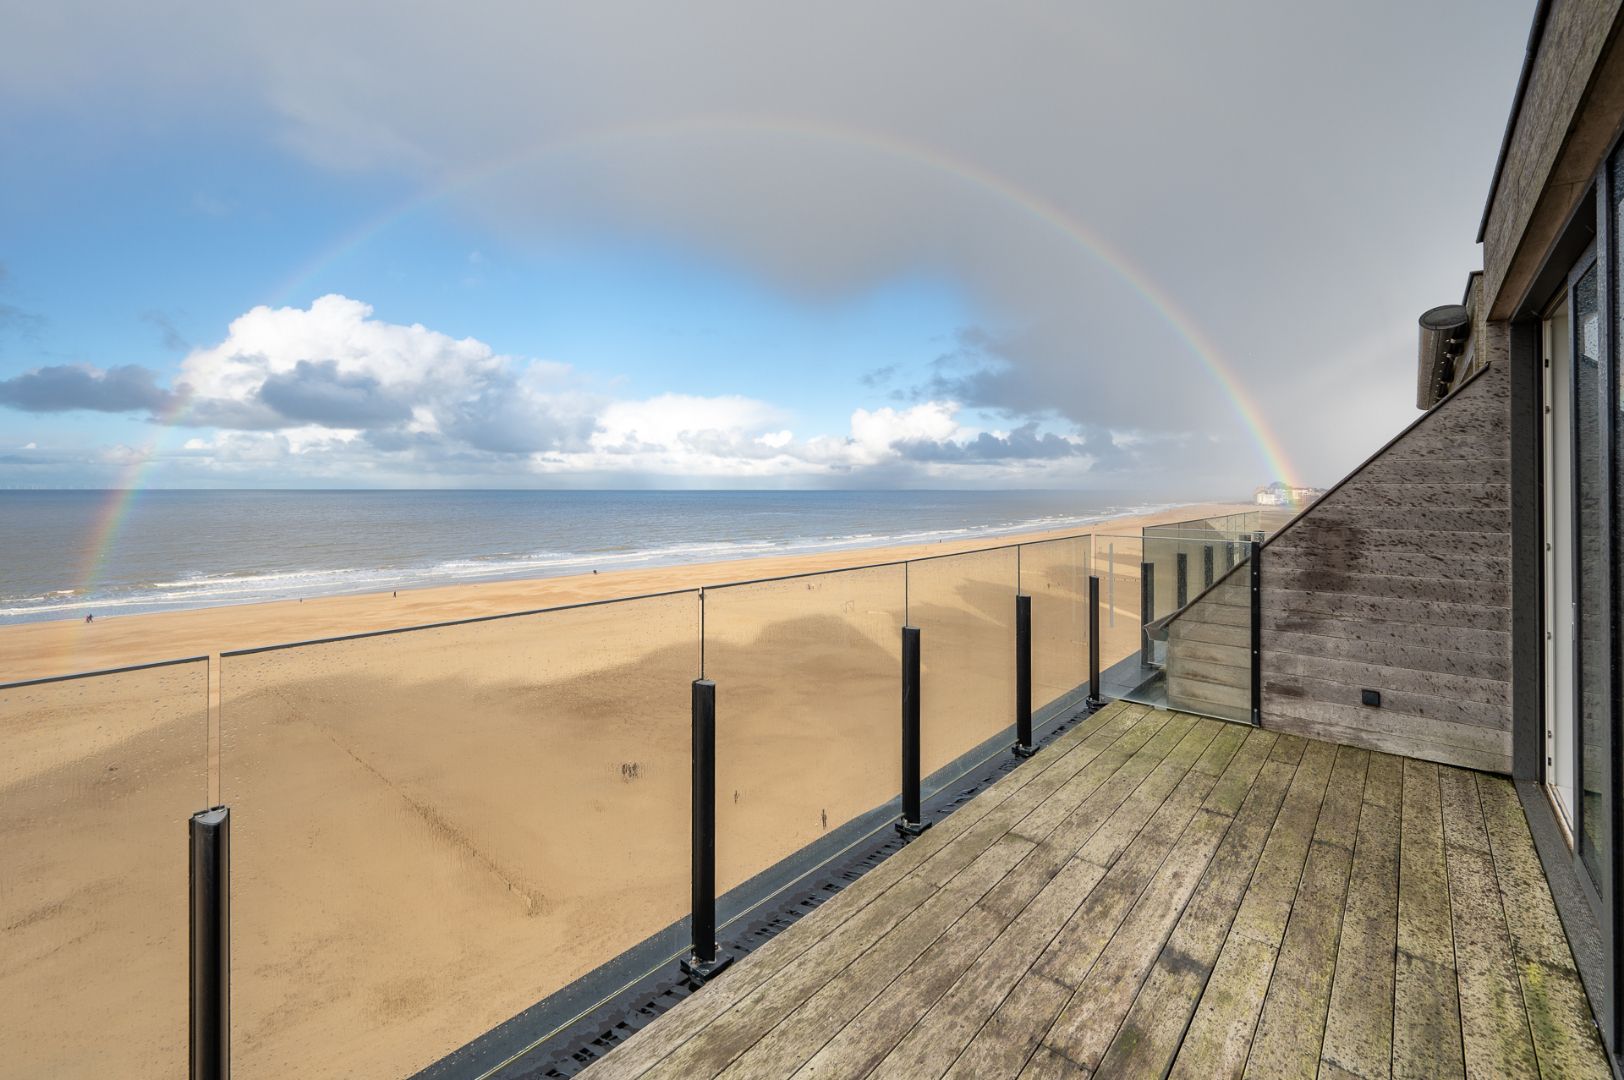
pixel 1023 677
pixel 702 962
pixel 1206 566
pixel 1147 611
pixel 1257 632
pixel 209 833
pixel 1183 582
pixel 1094 699
pixel 911 823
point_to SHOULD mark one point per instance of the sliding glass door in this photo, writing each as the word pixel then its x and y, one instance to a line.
pixel 1577 606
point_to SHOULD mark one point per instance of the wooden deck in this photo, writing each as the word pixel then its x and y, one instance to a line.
pixel 1158 894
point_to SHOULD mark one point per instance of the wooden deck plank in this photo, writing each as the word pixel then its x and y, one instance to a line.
pixel 949 1026
pixel 1164 895
pixel 1220 1033
pixel 1559 1017
pixel 1141 785
pixel 1080 940
pixel 1085 1027
pixel 1066 756
pixel 777 1048
pixel 1267 903
pixel 1074 950
pixel 1006 1042
pixel 1150 1034
pixel 948 860
pixel 1426 1019
pixel 1112 839
pixel 1129 795
pixel 1494 1025
pixel 800 1035
pixel 1359 1021
pixel 1292 1023
pixel 931 1047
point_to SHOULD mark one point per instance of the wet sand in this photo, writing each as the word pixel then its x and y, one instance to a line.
pixel 433 830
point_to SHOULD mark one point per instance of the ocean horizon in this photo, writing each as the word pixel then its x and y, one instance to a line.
pixel 72 553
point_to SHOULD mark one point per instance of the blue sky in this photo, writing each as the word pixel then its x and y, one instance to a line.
pixel 711 265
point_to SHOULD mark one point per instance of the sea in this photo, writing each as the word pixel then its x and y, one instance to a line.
pixel 67 554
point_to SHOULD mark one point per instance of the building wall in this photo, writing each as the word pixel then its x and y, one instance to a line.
pixel 1567 119
pixel 1399 581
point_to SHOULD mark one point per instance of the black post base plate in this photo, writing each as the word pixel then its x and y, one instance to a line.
pixel 1023 751
pixel 705 970
pixel 1095 704
pixel 912 828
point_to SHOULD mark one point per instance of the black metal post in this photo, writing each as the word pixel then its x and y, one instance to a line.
pixel 1206 566
pixel 702 963
pixel 1094 699
pixel 1183 591
pixel 1147 611
pixel 1023 677
pixel 1229 557
pixel 209 832
pixel 910 824
pixel 1257 633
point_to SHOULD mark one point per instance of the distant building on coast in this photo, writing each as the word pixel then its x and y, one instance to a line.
pixel 1281 493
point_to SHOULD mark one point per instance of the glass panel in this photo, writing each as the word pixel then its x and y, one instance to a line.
pixel 808 675
pixel 434 829
pixel 1055 575
pixel 1206 644
pixel 1190 603
pixel 1222 527
pixel 964 606
pixel 1117 560
pixel 99 777
pixel 1591 542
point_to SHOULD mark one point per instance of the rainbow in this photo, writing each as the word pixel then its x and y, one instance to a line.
pixel 110 518
pixel 1184 326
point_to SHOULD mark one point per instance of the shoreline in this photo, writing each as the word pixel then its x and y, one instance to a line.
pixel 56 647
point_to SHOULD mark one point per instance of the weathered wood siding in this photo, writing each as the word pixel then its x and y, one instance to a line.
pixel 1399 581
pixel 1209 651
pixel 1567 120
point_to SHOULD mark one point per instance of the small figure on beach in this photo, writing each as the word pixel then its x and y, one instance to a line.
pixel 88 618
pixel 395 593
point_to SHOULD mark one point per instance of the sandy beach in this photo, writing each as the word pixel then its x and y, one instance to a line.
pixel 434 830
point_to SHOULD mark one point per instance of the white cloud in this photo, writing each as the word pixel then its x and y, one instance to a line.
pixel 331 392
pixel 874 434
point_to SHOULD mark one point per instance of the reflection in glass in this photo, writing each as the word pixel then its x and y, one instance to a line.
pixel 1117 559
pixel 1591 540
pixel 808 709
pixel 964 606
pixel 1054 574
